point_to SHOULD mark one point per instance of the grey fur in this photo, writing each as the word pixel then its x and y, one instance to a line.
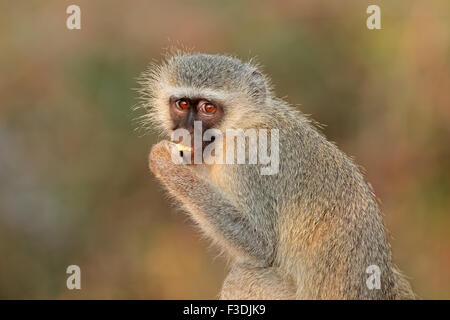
pixel 308 232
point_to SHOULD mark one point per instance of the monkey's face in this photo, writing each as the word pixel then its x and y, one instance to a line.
pixel 221 92
pixel 185 111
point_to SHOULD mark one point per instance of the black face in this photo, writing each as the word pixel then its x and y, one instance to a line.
pixel 185 111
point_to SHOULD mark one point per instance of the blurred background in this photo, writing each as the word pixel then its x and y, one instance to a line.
pixel 74 183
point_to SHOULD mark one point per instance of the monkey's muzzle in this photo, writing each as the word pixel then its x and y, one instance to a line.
pixel 185 153
pixel 181 147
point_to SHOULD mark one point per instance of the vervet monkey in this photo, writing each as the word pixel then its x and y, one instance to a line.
pixel 311 231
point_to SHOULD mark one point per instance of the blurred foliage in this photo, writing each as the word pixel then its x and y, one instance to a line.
pixel 74 184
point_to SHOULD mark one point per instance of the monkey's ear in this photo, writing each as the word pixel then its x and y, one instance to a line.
pixel 258 86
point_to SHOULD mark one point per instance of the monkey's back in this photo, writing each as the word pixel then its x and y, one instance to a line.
pixel 330 223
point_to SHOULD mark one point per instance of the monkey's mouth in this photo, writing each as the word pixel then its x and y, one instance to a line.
pixel 187 152
pixel 181 147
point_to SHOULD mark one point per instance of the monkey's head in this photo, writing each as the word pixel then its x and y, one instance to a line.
pixel 220 91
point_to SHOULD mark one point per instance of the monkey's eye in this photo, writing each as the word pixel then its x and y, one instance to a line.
pixel 183 104
pixel 208 107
